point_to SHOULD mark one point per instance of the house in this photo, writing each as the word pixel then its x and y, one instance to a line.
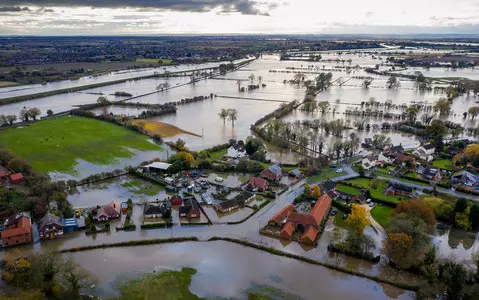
pixel 272 173
pixel 235 203
pixel 405 160
pixel 360 199
pixel 106 213
pixel 308 225
pixel 280 218
pixel 50 227
pixel 19 233
pixel 16 178
pixel 387 158
pixel 157 167
pixel 294 173
pixel 425 152
pixel 190 209
pixel 116 205
pixel 466 178
pixel 394 150
pixel 257 183
pixel 328 185
pixel 71 224
pixel 176 200
pixel 369 162
pixel 236 151
pixel 153 211
pixel 368 143
pixel 398 189
pixel 431 173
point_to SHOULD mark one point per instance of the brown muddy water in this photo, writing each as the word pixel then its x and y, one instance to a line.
pixel 227 270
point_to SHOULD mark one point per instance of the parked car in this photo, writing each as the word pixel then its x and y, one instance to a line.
pixel 339 170
pixel 372 204
pixel 332 166
pixel 368 201
pixel 334 212
pixel 219 179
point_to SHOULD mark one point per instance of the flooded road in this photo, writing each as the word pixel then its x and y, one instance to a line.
pixel 227 270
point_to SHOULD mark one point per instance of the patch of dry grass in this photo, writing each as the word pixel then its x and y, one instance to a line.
pixel 164 130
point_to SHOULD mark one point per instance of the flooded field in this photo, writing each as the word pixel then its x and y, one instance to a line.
pixel 456 244
pixel 228 270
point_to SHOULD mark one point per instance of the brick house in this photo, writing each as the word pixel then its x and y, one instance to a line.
pixel 17 233
pixel 50 226
pixel 190 209
pixel 272 173
pixel 258 183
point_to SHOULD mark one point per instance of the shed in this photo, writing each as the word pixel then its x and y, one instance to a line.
pixel 294 173
pixel 16 178
pixel 157 167
pixel 71 225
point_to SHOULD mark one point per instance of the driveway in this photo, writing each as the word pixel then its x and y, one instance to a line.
pixel 373 222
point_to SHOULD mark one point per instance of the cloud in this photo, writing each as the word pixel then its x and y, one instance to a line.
pixel 246 7
pixel 13 8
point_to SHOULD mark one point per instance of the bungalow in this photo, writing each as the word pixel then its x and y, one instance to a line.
pixel 190 209
pixel 106 213
pixel 272 173
pixel 398 189
pixel 116 205
pixel 176 200
pixel 425 152
pixel 369 162
pixel 19 233
pixel 466 178
pixel 16 178
pixel 328 185
pixel 257 183
pixel 235 203
pixel 395 150
pixel 431 173
pixel 294 173
pixel 360 199
pixel 236 151
pixel 50 227
pixel 153 211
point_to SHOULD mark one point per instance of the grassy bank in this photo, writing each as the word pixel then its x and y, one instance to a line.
pixel 165 285
pixel 7 84
pixel 347 189
pixel 326 173
pixel 142 187
pixel 131 244
pixel 378 192
pixel 154 60
pixel 56 144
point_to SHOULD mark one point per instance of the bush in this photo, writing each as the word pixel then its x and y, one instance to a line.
pixel 153 225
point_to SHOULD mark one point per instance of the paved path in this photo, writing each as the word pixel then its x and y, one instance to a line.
pixel 373 222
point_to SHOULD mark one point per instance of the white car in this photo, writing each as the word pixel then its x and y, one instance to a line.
pixel 339 170
pixel 219 179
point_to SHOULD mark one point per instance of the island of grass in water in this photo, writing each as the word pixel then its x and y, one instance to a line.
pixel 55 145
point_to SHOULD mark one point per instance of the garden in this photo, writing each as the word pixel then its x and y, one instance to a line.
pixel 376 189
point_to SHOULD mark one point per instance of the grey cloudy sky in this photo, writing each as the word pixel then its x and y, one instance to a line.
pixel 103 17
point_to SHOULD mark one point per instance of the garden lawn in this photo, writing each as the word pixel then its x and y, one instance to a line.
pixel 171 285
pixel 347 189
pixel 326 173
pixel 218 154
pixel 443 164
pixel 56 144
pixel 154 60
pixel 378 192
pixel 142 187
pixel 381 214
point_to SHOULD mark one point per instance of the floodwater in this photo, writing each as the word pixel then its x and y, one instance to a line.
pixel 227 270
pixel 456 244
pixel 86 80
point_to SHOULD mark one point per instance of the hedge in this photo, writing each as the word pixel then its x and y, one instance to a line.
pixel 132 243
pixel 339 248
pixel 155 225
pixel 315 262
pixel 342 206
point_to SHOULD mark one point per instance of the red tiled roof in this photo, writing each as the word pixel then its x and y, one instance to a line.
pixel 310 235
pixel 320 209
pixel 258 182
pixel 287 231
pixel 3 173
pixel 278 218
pixel 116 205
pixel 23 226
pixel 16 177
pixel 107 211
pixel 301 219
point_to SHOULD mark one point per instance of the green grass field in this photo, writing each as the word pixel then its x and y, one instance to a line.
pixel 170 285
pixel 140 187
pixel 153 60
pixel 381 214
pixel 443 164
pixel 218 154
pixel 56 144
pixel 347 189
pixel 377 192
